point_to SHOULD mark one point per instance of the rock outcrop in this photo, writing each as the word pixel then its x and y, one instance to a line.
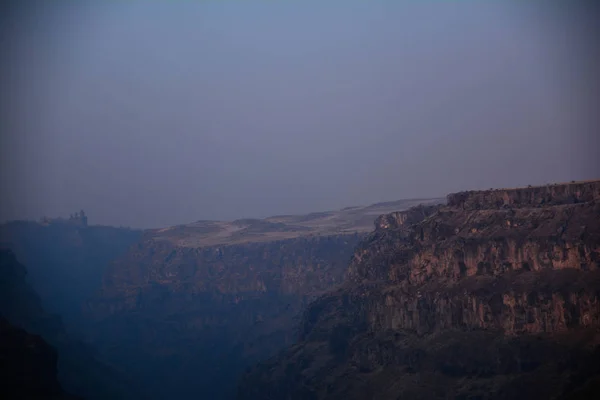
pixel 495 295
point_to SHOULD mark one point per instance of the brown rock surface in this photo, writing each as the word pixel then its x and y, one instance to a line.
pixel 495 295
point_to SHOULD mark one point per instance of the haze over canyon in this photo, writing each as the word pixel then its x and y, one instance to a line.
pixel 354 200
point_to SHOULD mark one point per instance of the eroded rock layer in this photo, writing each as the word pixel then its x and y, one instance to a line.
pixel 495 295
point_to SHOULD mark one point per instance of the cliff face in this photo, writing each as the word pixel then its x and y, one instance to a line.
pixel 495 295
pixel 555 194
pixel 288 267
pixel 191 319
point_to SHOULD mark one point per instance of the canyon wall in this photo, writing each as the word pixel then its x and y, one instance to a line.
pixel 564 193
pixel 187 321
pixel 495 295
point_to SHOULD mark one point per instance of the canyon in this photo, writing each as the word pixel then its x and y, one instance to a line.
pixel 182 311
pixel 188 308
pixel 489 294
pixel 495 294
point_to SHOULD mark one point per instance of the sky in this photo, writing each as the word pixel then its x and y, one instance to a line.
pixel 155 113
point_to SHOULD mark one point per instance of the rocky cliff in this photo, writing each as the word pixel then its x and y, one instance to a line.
pixel 495 295
pixel 188 308
pixel 190 319
pixel 554 194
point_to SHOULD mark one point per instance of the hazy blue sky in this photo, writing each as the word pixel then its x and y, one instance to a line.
pixel 149 113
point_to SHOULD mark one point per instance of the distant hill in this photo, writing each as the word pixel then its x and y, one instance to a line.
pixel 348 220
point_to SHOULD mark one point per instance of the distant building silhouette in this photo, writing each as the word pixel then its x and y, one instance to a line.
pixel 78 219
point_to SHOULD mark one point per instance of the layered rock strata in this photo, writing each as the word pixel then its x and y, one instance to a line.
pixel 495 295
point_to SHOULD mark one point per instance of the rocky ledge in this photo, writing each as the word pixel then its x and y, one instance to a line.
pixel 495 295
